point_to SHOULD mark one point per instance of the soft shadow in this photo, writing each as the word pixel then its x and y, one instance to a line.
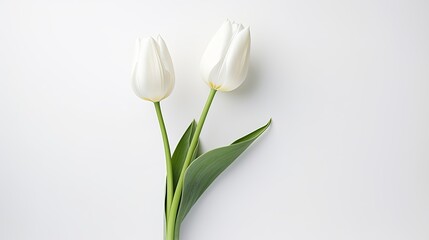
pixel 252 82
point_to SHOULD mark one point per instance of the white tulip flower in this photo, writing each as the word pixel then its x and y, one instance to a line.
pixel 225 62
pixel 153 72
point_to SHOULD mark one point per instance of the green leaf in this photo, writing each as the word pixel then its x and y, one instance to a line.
pixel 179 154
pixel 204 170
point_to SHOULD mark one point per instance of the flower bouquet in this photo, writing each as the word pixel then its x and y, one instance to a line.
pixel 224 67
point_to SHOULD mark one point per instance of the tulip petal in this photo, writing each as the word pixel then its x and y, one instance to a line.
pixel 216 51
pixel 147 73
pixel 236 62
pixel 135 71
pixel 165 55
pixel 167 64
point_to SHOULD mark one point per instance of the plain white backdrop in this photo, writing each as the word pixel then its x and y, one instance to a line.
pixel 346 83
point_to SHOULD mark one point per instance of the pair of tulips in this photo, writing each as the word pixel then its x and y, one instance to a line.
pixel 224 67
pixel 224 64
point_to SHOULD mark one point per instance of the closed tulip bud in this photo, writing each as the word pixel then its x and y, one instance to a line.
pixel 225 62
pixel 153 73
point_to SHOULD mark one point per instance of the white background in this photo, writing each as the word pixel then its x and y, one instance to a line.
pixel 346 83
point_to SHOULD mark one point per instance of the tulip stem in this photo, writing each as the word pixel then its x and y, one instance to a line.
pixel 171 221
pixel 170 190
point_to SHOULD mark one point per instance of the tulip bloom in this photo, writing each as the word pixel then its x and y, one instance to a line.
pixel 153 80
pixel 153 73
pixel 225 62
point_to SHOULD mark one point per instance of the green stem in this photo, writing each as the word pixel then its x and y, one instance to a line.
pixel 178 192
pixel 167 152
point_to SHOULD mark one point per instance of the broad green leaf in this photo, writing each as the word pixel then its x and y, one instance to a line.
pixel 179 154
pixel 204 170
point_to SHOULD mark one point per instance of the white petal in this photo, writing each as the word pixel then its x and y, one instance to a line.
pixel 165 55
pixel 134 73
pixel 167 64
pixel 236 63
pixel 215 80
pixel 216 50
pixel 147 73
